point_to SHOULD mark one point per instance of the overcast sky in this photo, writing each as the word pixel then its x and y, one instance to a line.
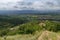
pixel 29 4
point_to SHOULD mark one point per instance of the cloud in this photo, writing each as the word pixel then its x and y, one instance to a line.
pixel 29 4
pixel 8 4
pixel 39 4
pixel 6 1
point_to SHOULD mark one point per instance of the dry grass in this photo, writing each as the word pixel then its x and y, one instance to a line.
pixel 42 35
pixel 47 35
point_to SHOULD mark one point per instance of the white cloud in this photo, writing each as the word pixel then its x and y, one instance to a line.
pixel 40 4
pixel 30 4
pixel 5 1
pixel 8 4
pixel 46 4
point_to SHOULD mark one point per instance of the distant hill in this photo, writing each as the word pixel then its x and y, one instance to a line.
pixel 13 12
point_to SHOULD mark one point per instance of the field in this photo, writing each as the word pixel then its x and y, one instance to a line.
pixel 30 27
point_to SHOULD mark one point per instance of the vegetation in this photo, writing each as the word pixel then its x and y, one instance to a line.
pixel 28 25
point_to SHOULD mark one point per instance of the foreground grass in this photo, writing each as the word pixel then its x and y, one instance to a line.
pixel 47 35
pixel 43 35
pixel 23 37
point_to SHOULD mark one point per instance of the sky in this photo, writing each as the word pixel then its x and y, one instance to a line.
pixel 29 4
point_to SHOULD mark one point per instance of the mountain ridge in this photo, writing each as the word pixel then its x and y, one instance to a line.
pixel 12 12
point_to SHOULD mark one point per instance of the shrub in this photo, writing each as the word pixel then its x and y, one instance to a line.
pixel 29 28
pixel 52 26
pixel 3 33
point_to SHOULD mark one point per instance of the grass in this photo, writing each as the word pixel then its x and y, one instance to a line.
pixel 47 35
pixel 23 37
pixel 52 36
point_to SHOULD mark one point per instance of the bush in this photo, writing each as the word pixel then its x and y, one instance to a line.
pixel 3 33
pixel 29 28
pixel 52 26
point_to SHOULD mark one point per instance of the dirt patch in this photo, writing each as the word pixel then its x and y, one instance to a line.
pixel 58 37
pixel 46 36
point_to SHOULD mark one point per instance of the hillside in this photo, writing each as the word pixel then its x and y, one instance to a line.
pixel 43 35
pixel 29 27
pixel 38 33
pixel 47 35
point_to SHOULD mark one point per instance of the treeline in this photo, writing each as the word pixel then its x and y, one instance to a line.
pixel 8 21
